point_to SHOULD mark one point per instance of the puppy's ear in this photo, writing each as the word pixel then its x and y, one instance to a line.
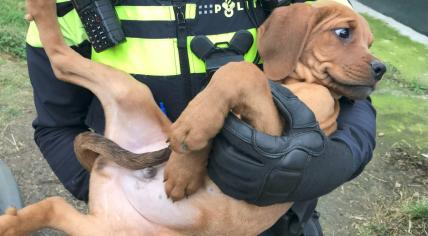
pixel 88 146
pixel 282 38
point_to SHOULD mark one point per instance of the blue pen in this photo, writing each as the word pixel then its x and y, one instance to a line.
pixel 162 107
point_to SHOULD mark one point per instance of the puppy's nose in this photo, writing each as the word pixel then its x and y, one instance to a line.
pixel 378 69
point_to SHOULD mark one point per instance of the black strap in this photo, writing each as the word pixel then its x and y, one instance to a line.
pixel 215 56
pixel 294 221
pixel 63 8
pixel 180 19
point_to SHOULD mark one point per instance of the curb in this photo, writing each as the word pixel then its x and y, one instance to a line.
pixel 401 28
pixel 9 193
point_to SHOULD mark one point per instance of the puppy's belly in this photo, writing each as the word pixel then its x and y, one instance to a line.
pixel 208 212
pixel 127 201
pixel 147 196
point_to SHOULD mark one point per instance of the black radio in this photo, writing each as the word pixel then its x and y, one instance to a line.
pixel 100 22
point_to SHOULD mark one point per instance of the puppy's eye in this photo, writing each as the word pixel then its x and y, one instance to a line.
pixel 343 33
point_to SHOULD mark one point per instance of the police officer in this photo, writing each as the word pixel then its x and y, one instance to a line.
pixel 156 52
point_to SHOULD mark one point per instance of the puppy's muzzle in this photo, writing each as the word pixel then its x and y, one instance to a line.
pixel 378 69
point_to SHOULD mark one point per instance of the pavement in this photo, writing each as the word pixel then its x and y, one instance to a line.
pixel 416 36
pixel 412 13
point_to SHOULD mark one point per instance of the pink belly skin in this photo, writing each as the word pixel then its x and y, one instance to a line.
pixel 124 201
pixel 130 204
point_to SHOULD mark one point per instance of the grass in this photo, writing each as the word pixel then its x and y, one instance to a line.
pixel 404 87
pixel 13 28
pixel 402 115
pixel 417 209
pixel 404 210
pixel 15 95
pixel 407 58
pixel 408 216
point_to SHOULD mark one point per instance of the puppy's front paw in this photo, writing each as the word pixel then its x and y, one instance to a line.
pixel 198 124
pixel 10 224
pixel 184 174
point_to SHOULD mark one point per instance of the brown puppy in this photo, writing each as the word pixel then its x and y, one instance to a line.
pixel 132 202
pixel 319 52
pixel 127 201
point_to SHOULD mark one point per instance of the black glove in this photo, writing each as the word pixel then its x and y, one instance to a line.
pixel 263 169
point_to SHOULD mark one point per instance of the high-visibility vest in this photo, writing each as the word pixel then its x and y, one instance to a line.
pixel 150 29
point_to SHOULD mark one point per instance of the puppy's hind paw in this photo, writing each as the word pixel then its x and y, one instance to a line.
pixel 10 224
pixel 180 184
pixel 38 8
pixel 184 175
pixel 28 17
pixel 11 211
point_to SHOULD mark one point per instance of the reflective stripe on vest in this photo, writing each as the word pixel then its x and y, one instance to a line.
pixel 152 13
pixel 159 57
pixel 151 45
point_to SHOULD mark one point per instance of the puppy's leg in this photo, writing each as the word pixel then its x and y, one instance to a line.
pixel 68 65
pixel 52 212
pixel 240 87
pixel 122 97
pixel 110 85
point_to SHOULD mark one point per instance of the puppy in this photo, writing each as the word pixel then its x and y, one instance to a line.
pixel 124 198
pixel 319 52
pixel 129 201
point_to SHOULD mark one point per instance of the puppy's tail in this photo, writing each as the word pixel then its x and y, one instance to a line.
pixel 88 146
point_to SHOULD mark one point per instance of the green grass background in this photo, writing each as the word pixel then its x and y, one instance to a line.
pixel 401 98
pixel 403 56
pixel 12 27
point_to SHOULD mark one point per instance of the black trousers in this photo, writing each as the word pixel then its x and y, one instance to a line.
pixel 289 226
pixel 300 220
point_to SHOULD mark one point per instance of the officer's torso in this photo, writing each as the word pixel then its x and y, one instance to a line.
pixel 151 52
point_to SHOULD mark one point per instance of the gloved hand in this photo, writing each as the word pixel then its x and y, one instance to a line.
pixel 263 169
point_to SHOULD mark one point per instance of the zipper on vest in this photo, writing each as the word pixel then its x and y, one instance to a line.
pixel 181 24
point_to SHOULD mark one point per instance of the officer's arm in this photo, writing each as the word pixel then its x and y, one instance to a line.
pixel 299 166
pixel 61 110
pixel 348 151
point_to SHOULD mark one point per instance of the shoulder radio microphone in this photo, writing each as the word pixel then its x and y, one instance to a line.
pixel 219 54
